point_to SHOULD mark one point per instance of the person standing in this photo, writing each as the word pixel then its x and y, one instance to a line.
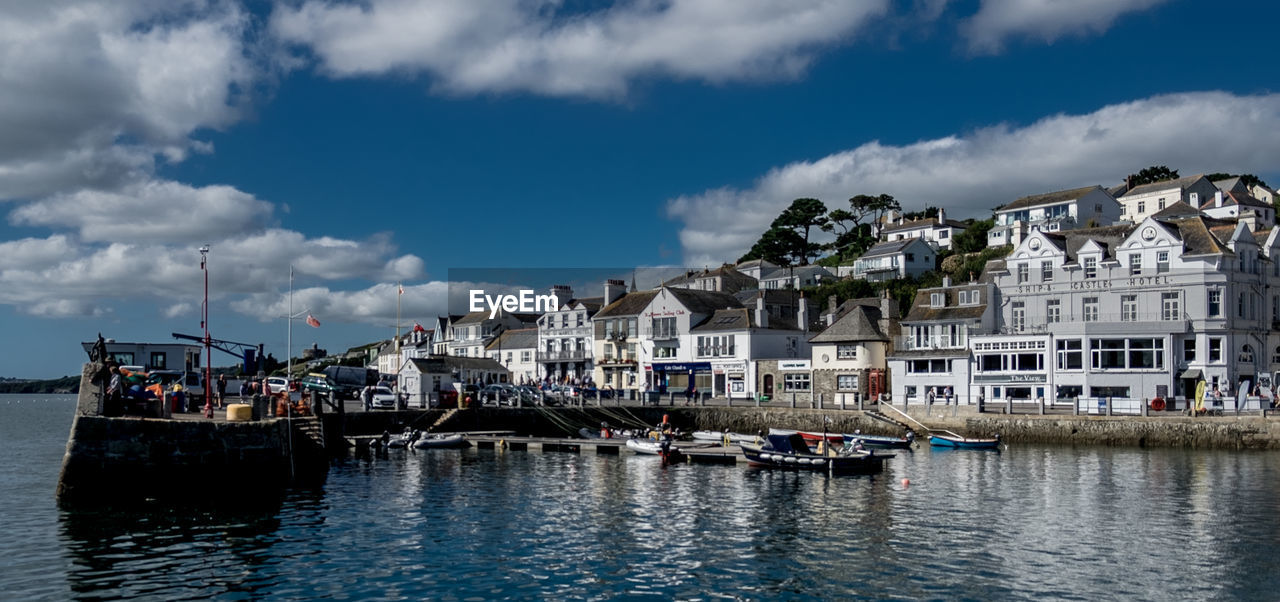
pixel 222 389
pixel 946 395
pixel 368 398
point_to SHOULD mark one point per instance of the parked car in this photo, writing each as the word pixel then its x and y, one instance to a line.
pixel 383 397
pixel 278 384
pixel 495 395
pixel 318 383
pixel 348 381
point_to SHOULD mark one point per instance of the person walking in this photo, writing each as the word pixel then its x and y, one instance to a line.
pixel 222 389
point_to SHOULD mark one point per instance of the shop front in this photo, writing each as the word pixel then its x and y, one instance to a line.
pixel 729 379
pixel 680 377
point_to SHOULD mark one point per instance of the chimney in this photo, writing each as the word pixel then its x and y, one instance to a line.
pixel 942 216
pixel 614 290
pixel 762 316
pixel 562 292
pixel 802 314
pixel 831 310
pixel 1217 199
pixel 888 314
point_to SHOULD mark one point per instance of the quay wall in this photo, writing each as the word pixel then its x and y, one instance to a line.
pixel 1217 432
pixel 135 457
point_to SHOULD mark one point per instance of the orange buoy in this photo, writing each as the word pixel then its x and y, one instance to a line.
pixel 906 483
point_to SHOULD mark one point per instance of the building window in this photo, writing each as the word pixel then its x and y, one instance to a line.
pixel 1215 303
pixel 158 360
pixel 1215 350
pixel 1275 356
pixel 664 328
pixel 963 297
pixel 1189 350
pixel 937 299
pixel 1142 207
pixel 795 381
pixel 1170 306
pixel 1090 267
pixel 1159 204
pixel 846 352
pixel 1133 354
pixel 1135 264
pixel 1019 315
pixel 1070 354
pixel 1128 308
pixel 847 382
pixel 1162 262
pixel 1023 272
pixel 1046 271
pixel 582 318
pixel 1246 354
pixel 526 356
pixel 1089 307
pixel 1240 303
pixel 1053 311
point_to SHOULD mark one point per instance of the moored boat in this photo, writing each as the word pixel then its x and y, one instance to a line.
pixel 718 437
pixel 441 441
pixel 648 447
pixel 792 451
pixel 881 441
pixel 955 441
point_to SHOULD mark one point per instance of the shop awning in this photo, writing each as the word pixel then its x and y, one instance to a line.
pixel 1192 373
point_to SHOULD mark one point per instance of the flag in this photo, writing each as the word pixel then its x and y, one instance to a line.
pixel 401 286
pixel 418 327
pixel 312 321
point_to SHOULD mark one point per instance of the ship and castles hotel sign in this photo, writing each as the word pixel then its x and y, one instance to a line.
pixel 1132 312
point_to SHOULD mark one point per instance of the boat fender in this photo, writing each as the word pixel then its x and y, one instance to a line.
pixel 766 456
pixel 791 459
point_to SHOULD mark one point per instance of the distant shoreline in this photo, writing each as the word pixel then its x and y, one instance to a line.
pixel 67 385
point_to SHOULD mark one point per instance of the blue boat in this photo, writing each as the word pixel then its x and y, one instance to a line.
pixel 792 452
pixel 958 442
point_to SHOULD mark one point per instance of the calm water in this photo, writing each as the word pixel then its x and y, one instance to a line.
pixel 1030 523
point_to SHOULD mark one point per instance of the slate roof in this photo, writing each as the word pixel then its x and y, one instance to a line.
pixel 859 324
pixel 1242 199
pixel 740 318
pixel 923 311
pixel 1049 198
pixel 731 277
pixel 891 247
pixel 760 263
pixel 703 302
pixel 446 363
pixel 522 338
pixel 631 304
pixel 1176 210
pixel 1229 184
pixel 772 296
pixel 928 222
pixel 1180 184
pixel 1198 237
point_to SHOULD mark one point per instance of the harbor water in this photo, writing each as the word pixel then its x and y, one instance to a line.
pixel 1030 522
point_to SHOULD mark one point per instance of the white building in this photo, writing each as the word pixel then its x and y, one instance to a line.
pixel 1140 202
pixel 937 231
pixel 1087 207
pixel 514 350
pixel 795 277
pixel 667 347
pixel 470 334
pixel 1131 312
pixel 891 260
pixel 1236 205
pixel 565 342
pixel 424 380
pixel 848 358
pixel 933 351
pixel 731 340
pixel 616 342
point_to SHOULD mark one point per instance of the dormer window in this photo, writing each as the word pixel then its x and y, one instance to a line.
pixel 937 299
pixel 1135 264
pixel 1090 267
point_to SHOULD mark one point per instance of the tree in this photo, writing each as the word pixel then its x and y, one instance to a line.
pixel 928 212
pixel 801 217
pixel 858 223
pixel 874 207
pixel 973 238
pixel 776 245
pixel 1151 175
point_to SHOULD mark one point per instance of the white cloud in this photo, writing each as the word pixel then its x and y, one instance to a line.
pixel 93 91
pixel 1047 20
pixel 973 172
pixel 474 46
pixel 372 305
pixel 179 310
pixel 151 210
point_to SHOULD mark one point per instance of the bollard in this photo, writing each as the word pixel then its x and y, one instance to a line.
pixel 819 401
pixel 858 398
pixel 1008 405
pixel 1144 407
pixel 728 399
pixel 1108 401
pixel 1075 406
pixel 1041 400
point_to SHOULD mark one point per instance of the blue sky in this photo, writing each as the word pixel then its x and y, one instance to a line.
pixel 383 141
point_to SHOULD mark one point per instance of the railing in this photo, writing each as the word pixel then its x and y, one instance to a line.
pixel 661 334
pixel 716 351
pixel 1041 326
pixel 569 355
pixel 909 343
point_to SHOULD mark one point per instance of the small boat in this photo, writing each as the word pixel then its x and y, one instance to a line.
pixel 441 440
pixel 718 437
pixel 812 438
pixel 648 447
pixel 881 441
pixel 587 433
pixel 958 442
pixel 791 451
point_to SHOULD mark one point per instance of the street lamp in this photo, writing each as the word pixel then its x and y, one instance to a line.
pixel 204 323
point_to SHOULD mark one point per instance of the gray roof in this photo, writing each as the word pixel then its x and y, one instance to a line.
pixel 1049 198
pixel 740 318
pixel 928 222
pixel 522 338
pixel 631 304
pixel 1180 184
pixel 1176 210
pixel 446 363
pixel 859 324
pixel 1232 183
pixel 1242 199
pixel 703 302
pixel 923 311
pixel 892 247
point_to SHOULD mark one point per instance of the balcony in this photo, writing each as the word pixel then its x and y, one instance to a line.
pixel 910 343
pixel 662 334
pixel 566 355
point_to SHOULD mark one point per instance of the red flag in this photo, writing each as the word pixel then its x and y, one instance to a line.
pixel 312 321
pixel 418 327
pixel 401 288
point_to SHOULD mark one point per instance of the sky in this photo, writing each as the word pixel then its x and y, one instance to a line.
pixel 383 143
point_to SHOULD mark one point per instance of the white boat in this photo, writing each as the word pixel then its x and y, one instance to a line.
pixel 441 441
pixel 648 447
pixel 718 437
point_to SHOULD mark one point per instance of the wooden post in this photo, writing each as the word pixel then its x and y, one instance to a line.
pixel 793 400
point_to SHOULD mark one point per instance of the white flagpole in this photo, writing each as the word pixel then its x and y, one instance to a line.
pixel 288 354
pixel 399 293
